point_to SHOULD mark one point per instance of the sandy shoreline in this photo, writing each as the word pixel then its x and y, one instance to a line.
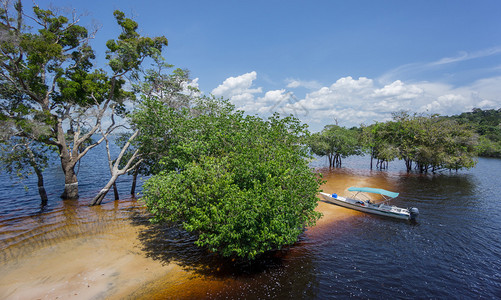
pixel 111 264
pixel 92 267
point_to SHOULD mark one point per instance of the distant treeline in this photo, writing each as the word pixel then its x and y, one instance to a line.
pixel 426 143
pixel 487 124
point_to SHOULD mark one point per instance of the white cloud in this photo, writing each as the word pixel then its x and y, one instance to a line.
pixel 280 101
pixel 420 68
pixel 445 103
pixel 399 90
pixel 296 83
pixel 191 87
pixel 269 101
pixel 463 55
pixel 349 84
pixel 241 93
pixel 238 89
pixel 355 101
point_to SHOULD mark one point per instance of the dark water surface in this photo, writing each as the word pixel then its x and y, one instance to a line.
pixel 454 250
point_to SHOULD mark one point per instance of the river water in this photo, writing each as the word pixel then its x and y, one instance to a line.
pixel 453 251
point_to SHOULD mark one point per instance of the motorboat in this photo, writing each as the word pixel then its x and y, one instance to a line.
pixel 362 202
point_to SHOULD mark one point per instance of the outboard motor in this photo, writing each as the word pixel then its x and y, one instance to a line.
pixel 414 212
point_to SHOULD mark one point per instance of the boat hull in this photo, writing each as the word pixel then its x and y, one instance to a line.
pixel 364 206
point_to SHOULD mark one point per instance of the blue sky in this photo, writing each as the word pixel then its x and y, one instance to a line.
pixel 350 61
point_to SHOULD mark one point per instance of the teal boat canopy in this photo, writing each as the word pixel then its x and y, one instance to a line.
pixel 373 190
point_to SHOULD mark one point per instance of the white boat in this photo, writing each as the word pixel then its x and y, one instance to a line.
pixel 368 206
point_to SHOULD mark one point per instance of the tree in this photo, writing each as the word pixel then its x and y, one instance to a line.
pixel 426 143
pixel 166 100
pixel 22 157
pixel 242 185
pixel 52 71
pixel 487 124
pixel 335 142
pixel 115 170
pixel 488 148
pixel 378 140
pixel 432 143
pixel 158 88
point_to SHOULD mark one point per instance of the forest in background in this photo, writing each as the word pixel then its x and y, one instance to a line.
pixel 425 142
pixel 487 124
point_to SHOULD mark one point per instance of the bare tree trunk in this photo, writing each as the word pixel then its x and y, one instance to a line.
pixel 134 181
pixel 70 184
pixel 408 164
pixel 115 171
pixel 70 157
pixel 102 193
pixel 70 178
pixel 115 191
pixel 41 187
pixel 38 171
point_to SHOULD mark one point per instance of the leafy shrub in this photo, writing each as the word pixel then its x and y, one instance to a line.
pixel 247 188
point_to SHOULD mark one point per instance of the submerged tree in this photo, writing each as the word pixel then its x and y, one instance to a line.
pixel 51 68
pixel 335 142
pixel 378 140
pixel 115 170
pixel 21 157
pixel 431 143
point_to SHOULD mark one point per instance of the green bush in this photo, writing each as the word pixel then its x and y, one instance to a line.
pixel 247 189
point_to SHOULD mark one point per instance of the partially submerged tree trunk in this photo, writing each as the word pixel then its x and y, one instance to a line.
pixel 338 160
pixel 23 156
pixel 134 181
pixel 70 157
pixel 41 187
pixel 70 183
pixel 102 193
pixel 115 171
pixel 115 191
pixel 40 183
pixel 408 164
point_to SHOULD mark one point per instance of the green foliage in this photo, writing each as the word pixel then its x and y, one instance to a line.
pixel 242 185
pixel 162 109
pixel 488 148
pixel 487 123
pixel 429 142
pixel 20 157
pixel 48 78
pixel 379 141
pixel 48 71
pixel 127 52
pixel 335 142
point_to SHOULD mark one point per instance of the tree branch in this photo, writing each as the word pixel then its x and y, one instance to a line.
pixel 109 155
pixel 134 166
pixel 124 148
